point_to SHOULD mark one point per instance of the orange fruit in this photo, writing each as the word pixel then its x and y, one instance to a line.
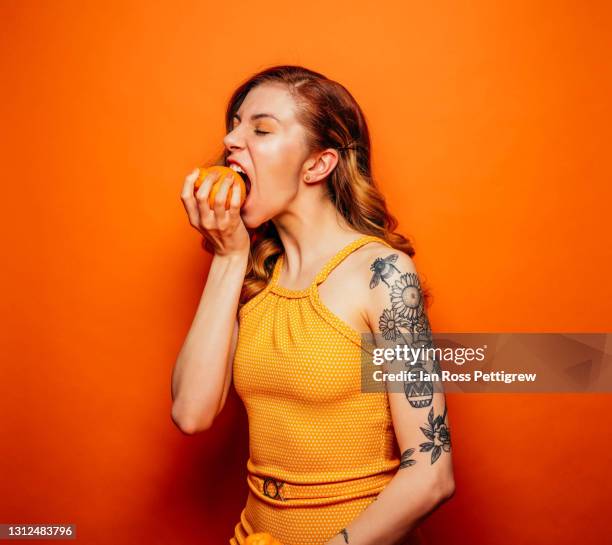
pixel 261 538
pixel 222 172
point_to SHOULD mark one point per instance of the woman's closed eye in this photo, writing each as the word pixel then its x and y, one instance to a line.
pixel 257 131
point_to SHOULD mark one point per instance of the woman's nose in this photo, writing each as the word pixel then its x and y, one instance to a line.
pixel 232 139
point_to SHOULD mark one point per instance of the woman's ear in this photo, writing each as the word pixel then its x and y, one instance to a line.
pixel 321 166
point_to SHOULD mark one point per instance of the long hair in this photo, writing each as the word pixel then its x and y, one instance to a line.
pixel 332 118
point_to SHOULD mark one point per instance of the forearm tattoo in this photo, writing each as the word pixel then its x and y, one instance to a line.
pixel 406 460
pixel 406 319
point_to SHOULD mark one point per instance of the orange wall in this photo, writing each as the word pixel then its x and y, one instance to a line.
pixel 491 134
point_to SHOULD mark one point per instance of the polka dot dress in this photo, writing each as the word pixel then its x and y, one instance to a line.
pixel 320 449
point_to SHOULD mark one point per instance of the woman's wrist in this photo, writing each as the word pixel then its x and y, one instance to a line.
pixel 232 257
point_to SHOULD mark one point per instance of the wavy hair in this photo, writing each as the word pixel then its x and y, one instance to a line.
pixel 332 118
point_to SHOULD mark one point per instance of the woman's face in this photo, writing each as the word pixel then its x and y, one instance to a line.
pixel 271 149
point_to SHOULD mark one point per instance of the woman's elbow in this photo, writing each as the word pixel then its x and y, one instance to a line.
pixel 444 489
pixel 187 423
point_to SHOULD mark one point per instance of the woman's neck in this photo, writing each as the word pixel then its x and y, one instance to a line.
pixel 309 239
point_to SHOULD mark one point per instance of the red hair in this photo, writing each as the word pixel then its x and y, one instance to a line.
pixel 332 118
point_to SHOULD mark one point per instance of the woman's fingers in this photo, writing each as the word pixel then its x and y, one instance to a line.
pixel 207 216
pixel 204 189
pixel 221 197
pixel 234 209
pixel 202 215
pixel 190 180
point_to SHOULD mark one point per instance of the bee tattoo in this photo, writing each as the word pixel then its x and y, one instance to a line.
pixel 383 269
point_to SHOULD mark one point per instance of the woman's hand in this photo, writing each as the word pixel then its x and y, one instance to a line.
pixel 224 228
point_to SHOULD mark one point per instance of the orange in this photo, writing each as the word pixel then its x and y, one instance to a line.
pixel 261 538
pixel 222 172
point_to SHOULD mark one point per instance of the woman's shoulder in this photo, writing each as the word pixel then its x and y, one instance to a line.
pixel 379 276
pixel 377 260
pixel 370 266
pixel 360 288
pixel 372 261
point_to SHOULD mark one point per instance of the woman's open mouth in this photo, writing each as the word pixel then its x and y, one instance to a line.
pixel 243 175
pixel 247 182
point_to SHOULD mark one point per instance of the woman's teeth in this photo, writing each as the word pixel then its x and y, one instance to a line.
pixel 236 167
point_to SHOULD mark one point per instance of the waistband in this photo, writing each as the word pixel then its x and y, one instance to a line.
pixel 279 492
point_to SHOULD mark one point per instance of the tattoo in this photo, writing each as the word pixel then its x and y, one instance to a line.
pixel 344 533
pixel 383 269
pixel 438 433
pixel 407 317
pixel 406 460
pixel 406 297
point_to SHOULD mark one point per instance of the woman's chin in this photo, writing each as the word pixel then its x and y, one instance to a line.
pixel 252 213
pixel 247 218
pixel 252 220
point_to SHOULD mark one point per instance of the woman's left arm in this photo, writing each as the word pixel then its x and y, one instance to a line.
pixel 424 479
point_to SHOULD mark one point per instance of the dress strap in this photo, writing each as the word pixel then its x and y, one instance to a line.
pixel 344 252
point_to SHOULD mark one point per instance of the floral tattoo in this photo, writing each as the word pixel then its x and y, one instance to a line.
pixel 406 460
pixel 438 433
pixel 406 319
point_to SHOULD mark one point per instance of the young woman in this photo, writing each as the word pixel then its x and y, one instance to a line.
pixel 301 273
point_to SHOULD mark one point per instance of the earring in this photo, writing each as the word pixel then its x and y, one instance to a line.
pixel 307 177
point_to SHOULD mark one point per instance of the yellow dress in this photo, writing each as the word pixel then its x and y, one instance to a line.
pixel 320 450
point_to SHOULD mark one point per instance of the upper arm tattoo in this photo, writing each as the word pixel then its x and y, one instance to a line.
pixel 406 319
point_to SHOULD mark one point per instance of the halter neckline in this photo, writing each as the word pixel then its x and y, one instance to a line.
pixel 335 260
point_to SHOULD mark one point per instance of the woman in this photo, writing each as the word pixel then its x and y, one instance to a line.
pixel 311 265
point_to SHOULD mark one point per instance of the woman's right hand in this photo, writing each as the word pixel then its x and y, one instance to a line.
pixel 224 228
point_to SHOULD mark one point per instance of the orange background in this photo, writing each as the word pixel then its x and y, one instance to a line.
pixel 491 139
